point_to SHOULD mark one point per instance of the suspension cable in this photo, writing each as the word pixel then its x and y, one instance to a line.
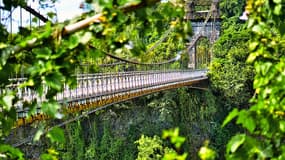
pixel 166 34
pixel 28 139
pixel 163 37
pixel 192 43
pixel 133 62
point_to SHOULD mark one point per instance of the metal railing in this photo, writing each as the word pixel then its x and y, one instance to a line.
pixel 105 86
pixel 92 86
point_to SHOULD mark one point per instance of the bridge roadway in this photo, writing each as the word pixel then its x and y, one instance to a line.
pixel 100 89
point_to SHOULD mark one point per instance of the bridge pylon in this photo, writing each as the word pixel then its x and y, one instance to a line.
pixel 204 17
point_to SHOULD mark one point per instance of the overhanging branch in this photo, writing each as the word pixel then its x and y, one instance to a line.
pixel 69 29
pixel 35 13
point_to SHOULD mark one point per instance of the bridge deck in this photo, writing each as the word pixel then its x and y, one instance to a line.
pixel 97 90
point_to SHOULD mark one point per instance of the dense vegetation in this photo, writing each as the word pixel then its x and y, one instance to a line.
pixel 231 77
pixel 123 131
pixel 264 120
pixel 49 55
pixel 248 62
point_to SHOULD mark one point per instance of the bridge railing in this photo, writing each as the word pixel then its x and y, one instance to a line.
pixel 92 86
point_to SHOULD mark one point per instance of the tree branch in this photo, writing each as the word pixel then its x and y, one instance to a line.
pixel 35 13
pixel 69 29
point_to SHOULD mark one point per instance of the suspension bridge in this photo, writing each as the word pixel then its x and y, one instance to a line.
pixel 96 90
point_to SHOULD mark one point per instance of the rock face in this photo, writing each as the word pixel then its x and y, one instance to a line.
pixel 119 126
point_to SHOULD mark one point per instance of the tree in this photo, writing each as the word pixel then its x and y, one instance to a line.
pixel 231 77
pixel 264 120
pixel 152 148
pixel 50 54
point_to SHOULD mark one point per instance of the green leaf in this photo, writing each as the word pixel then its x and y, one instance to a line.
pixel 235 142
pixel 282 126
pixel 7 101
pixel 178 141
pixel 38 134
pixel 253 45
pixel 50 108
pixel 102 4
pixel 56 135
pixel 259 29
pixel 44 53
pixel 86 38
pixel 11 152
pixel 74 41
pixel 55 80
pixel 250 22
pixel 3 45
pixel 206 153
pixel 277 1
pixel 252 57
pixel 46 156
pixel 51 15
pixel 5 54
pixel 129 2
pixel 47 32
pixel 278 9
pixel 265 68
pixel 231 116
pixel 246 120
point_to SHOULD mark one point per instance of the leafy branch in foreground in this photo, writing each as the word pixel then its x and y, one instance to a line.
pixel 265 119
pixel 154 147
pixel 49 56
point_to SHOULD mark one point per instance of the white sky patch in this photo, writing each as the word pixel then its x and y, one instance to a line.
pixel 67 9
pixel 64 9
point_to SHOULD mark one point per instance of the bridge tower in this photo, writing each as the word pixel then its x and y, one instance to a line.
pixel 197 12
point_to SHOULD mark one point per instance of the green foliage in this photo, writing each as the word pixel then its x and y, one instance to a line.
pixel 92 143
pixel 3 34
pixel 109 146
pixel 177 141
pixel 203 53
pixel 9 152
pixel 200 107
pixel 174 137
pixel 13 3
pixel 75 145
pixel 51 155
pixel 194 112
pixel 231 77
pixel 56 135
pixel 231 8
pixel 264 120
pixel 150 148
pixel 47 58
pixel 206 153
pixel 153 148
pixel 8 113
pixel 110 134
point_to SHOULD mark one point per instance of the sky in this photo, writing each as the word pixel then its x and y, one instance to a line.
pixel 65 9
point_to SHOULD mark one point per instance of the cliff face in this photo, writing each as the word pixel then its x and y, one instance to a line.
pixel 111 133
